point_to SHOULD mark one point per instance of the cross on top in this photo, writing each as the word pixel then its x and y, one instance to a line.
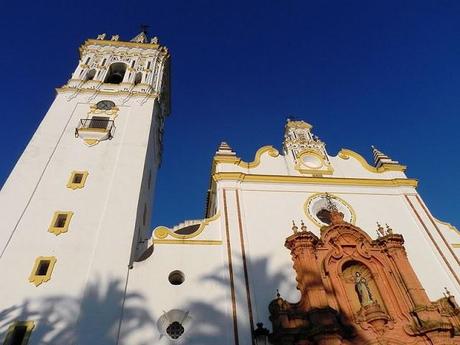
pixel 144 28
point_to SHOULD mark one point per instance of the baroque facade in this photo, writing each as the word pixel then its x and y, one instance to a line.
pixel 297 246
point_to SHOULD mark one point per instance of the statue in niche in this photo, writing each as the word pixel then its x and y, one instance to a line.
pixel 363 291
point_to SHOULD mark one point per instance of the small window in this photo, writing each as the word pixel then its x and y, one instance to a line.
pixel 176 277
pixel 43 267
pixel 19 332
pixel 90 75
pixel 87 60
pixel 103 62
pixel 138 78
pixel 175 330
pixel 60 222
pixel 77 179
pixel 99 122
pixel 41 272
pixel 148 65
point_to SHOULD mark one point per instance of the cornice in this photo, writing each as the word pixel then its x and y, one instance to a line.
pixel 107 93
pixel 118 44
pixel 243 177
pixel 346 154
pixel 450 226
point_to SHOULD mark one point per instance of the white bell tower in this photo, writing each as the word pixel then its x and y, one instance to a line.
pixel 75 211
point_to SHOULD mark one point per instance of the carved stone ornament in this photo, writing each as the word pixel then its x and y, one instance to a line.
pixel 356 290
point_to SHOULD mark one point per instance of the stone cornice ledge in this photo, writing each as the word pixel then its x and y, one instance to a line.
pixel 242 177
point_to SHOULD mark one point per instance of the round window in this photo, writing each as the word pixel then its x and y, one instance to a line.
pixel 312 161
pixel 105 105
pixel 317 208
pixel 176 277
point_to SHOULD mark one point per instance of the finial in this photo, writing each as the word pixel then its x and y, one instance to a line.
pixel 278 293
pixel 141 37
pixel 294 228
pixel 154 40
pixel 380 158
pixel 447 293
pixel 303 227
pixel 101 36
pixel 389 230
pixel 380 230
pixel 225 149
pixel 115 37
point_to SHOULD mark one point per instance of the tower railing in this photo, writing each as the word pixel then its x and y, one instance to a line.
pixel 96 124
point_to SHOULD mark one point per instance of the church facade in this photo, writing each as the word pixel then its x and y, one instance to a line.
pixel 298 246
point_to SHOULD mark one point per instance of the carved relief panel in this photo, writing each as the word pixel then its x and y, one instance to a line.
pixel 355 290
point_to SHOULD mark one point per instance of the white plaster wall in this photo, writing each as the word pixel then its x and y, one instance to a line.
pixel 95 252
pixel 268 211
pixel 204 294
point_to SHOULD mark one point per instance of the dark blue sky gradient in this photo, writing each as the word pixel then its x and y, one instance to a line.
pixel 361 72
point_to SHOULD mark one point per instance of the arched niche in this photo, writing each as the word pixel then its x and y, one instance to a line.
pixel 90 74
pixel 360 286
pixel 116 73
pixel 138 78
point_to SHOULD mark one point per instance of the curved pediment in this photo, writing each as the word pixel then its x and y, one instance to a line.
pixel 344 233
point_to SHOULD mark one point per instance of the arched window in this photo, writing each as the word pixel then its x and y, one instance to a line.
pixel 138 78
pixel 90 74
pixel 116 73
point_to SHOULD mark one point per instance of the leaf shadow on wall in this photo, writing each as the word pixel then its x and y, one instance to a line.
pixel 93 319
pixel 213 323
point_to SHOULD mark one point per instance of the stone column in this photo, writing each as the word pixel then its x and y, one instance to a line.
pixel 394 244
pixel 302 246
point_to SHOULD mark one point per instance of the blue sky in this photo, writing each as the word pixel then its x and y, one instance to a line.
pixel 362 72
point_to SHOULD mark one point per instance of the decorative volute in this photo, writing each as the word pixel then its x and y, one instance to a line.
pixel 380 158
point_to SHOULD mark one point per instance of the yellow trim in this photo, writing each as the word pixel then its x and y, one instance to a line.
pixel 193 242
pixel 38 279
pixel 113 113
pixel 247 165
pixel 450 226
pixel 324 169
pixel 119 44
pixel 161 232
pixel 59 230
pixel 298 124
pixel 456 245
pixel 346 154
pixel 242 177
pixel 91 142
pixel 30 325
pixel 333 196
pixel 73 185
pixel 108 93
pixel 91 129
